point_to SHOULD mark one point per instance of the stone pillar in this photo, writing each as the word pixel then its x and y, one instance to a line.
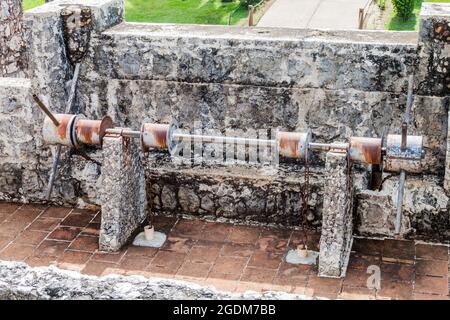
pixel 123 196
pixel 13 61
pixel 433 73
pixel 50 67
pixel 447 158
pixel 337 225
pixel 17 161
pixel 51 71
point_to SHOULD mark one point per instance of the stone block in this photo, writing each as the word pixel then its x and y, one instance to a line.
pixel 17 143
pixel 425 209
pixel 433 74
pixel 50 66
pixel 123 196
pixel 373 61
pixel 337 220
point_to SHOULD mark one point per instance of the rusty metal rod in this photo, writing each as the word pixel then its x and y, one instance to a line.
pixel 401 188
pixel 407 116
pixel 252 142
pixel 401 183
pixel 409 100
pixel 404 136
pixel 326 146
pixel 124 132
pixel 55 162
pixel 229 140
pixel 319 146
pixel 45 110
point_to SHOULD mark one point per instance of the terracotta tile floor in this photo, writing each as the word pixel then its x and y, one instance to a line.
pixel 229 257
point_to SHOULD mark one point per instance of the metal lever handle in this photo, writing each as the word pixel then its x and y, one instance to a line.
pixel 401 184
pixel 407 116
pixel 45 110
pixel 401 190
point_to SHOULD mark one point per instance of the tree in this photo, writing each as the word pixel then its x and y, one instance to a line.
pixel 403 8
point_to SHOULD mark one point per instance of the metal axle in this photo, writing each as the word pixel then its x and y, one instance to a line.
pixel 124 132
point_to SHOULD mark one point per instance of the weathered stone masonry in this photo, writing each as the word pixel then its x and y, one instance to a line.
pixel 336 83
pixel 124 201
pixel 12 39
pixel 337 226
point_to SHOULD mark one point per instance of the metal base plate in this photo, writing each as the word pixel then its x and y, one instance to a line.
pixel 294 258
pixel 158 240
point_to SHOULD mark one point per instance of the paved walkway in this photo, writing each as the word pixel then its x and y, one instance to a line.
pixel 322 14
pixel 228 257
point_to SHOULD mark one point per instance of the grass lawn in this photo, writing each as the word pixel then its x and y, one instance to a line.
pixel 396 23
pixel 183 11
pixel 28 4
pixel 176 11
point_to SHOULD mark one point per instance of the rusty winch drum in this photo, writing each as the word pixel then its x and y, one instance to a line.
pixel 293 144
pixel 408 159
pixel 74 130
pixel 91 132
pixel 158 136
pixel 365 150
pixel 61 134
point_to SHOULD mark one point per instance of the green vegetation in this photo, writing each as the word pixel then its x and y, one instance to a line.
pixel 249 2
pixel 403 8
pixel 184 11
pixel 382 4
pixel 178 11
pixel 412 23
pixel 28 4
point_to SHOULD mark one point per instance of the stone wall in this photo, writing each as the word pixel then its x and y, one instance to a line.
pixel 21 282
pixel 50 72
pixel 425 214
pixel 260 194
pixel 337 83
pixel 13 60
pixel 434 50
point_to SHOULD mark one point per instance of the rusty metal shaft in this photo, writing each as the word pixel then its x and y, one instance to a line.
pixel 401 189
pixel 45 110
pixel 407 116
pixel 124 132
pixel 325 147
pixel 403 147
pixel 252 142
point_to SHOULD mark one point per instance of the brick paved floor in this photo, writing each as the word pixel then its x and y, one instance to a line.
pixel 229 257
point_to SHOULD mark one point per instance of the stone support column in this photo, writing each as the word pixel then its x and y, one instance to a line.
pixel 123 196
pixel 337 224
